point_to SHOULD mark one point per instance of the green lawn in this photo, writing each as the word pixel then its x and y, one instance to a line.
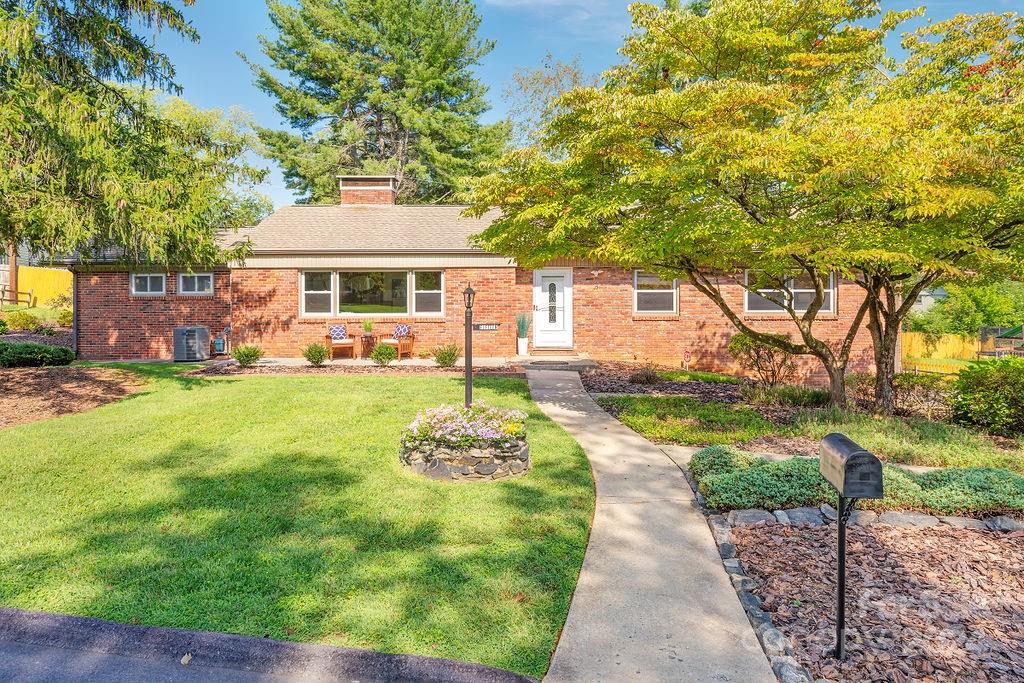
pixel 698 376
pixel 912 441
pixel 276 506
pixel 39 311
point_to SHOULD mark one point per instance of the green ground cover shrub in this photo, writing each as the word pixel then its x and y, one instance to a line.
pixel 65 317
pixel 731 480
pixel 699 376
pixel 384 354
pixel 33 355
pixel 447 355
pixel 990 395
pixel 3 326
pixel 785 395
pixel 247 354
pixel 23 321
pixel 686 421
pixel 315 354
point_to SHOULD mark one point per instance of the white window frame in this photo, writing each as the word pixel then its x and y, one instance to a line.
pixel 181 284
pixel 413 291
pixel 303 291
pixel 828 306
pixel 162 276
pixel 637 290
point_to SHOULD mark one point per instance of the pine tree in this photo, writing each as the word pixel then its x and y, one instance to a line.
pixel 378 87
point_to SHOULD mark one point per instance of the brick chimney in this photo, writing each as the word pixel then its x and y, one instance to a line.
pixel 367 189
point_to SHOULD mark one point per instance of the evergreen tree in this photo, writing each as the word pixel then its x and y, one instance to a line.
pixel 378 87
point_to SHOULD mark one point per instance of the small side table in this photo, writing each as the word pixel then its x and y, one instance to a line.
pixel 368 341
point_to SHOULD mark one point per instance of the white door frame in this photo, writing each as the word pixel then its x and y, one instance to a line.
pixel 567 305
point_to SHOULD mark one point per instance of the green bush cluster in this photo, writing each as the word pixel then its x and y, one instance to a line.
pixel 33 355
pixel 247 354
pixel 771 364
pixel 65 317
pixel 384 354
pixel 3 326
pixel 732 480
pixel 316 354
pixel 990 394
pixel 785 395
pixel 447 355
pixel 23 321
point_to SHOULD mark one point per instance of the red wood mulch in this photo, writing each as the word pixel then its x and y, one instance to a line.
pixel 936 604
pixel 30 394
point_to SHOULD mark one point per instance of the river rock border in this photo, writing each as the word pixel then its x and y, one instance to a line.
pixel 778 648
pixel 469 464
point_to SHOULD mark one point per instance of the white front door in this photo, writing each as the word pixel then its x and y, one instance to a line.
pixel 552 308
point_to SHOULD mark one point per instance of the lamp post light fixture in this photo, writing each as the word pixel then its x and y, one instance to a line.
pixel 468 295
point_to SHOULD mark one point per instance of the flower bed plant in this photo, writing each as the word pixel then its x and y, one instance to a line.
pixel 455 442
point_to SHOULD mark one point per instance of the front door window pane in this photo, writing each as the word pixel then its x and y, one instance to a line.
pixel 552 303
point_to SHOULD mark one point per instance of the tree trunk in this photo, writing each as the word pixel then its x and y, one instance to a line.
pixel 885 371
pixel 12 270
pixel 836 385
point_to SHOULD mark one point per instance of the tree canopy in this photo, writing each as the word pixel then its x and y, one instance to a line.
pixel 778 136
pixel 91 165
pixel 378 87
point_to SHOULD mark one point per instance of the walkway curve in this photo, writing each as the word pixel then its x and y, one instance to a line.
pixel 653 602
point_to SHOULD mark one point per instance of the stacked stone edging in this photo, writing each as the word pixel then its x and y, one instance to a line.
pixel 777 647
pixel 485 463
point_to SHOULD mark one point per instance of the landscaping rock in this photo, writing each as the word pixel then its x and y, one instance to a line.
pixel 486 468
pixel 788 670
pixel 726 550
pixel 917 520
pixel 1004 523
pixel 805 515
pixel 750 517
pixel 438 469
pixel 732 565
pixel 720 529
pixel 863 517
pixel 474 464
pixel 774 642
pixel 742 582
pixel 964 522
pixel 749 601
pixel 781 516
pixel 829 512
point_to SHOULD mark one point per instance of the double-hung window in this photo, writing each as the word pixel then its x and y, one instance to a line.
pixel 149 284
pixel 651 294
pixel 428 291
pixel 195 284
pixel 800 288
pixel 317 293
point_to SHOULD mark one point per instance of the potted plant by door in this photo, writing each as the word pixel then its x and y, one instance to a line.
pixel 522 328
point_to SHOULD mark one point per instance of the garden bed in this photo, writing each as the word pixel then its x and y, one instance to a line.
pixel 61 337
pixel 31 394
pixel 931 604
pixel 614 377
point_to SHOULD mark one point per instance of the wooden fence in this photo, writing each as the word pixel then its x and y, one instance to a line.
pixel 948 346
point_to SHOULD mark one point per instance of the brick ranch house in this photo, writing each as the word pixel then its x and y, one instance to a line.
pixel 367 258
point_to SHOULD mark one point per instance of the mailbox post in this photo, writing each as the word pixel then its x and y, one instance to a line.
pixel 855 473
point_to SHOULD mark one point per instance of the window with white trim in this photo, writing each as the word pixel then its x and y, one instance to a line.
pixel 800 288
pixel 195 284
pixel 317 292
pixel 149 284
pixel 373 292
pixel 428 291
pixel 651 294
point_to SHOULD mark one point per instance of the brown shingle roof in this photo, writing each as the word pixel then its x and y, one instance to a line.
pixel 366 228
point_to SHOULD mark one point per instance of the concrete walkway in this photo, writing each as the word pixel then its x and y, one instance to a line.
pixel 653 601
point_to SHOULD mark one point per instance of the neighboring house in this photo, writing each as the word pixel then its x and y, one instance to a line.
pixel 929 298
pixel 38 282
pixel 369 259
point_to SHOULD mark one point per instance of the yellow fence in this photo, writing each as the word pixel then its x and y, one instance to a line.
pixel 947 346
pixel 44 283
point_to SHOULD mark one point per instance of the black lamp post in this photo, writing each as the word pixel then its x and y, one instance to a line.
pixel 469 295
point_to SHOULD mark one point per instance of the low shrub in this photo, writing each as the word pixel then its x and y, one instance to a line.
pixel 61 301
pixel 926 395
pixel 65 317
pixel 23 321
pixel 46 331
pixel 731 480
pixel 447 355
pixel 384 354
pixel 247 354
pixel 33 355
pixel 785 395
pixel 3 326
pixel 772 365
pixel 454 426
pixel 315 354
pixel 645 375
pixel 990 395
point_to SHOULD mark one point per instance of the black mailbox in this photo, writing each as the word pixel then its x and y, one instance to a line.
pixel 853 471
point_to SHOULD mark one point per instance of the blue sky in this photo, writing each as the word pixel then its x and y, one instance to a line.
pixel 524 30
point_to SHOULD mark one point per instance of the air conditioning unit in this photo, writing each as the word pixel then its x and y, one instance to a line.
pixel 191 343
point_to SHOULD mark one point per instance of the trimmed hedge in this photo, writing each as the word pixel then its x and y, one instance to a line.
pixel 732 480
pixel 990 394
pixel 33 355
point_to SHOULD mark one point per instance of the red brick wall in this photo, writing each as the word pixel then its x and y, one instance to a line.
pixel 266 312
pixel 351 195
pixel 115 325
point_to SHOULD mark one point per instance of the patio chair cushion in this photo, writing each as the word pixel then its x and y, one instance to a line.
pixel 338 333
pixel 401 330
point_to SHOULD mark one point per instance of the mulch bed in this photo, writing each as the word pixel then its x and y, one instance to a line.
pixel 612 377
pixel 232 369
pixel 30 394
pixel 935 604
pixel 62 337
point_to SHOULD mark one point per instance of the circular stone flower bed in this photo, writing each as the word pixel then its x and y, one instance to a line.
pixel 455 443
